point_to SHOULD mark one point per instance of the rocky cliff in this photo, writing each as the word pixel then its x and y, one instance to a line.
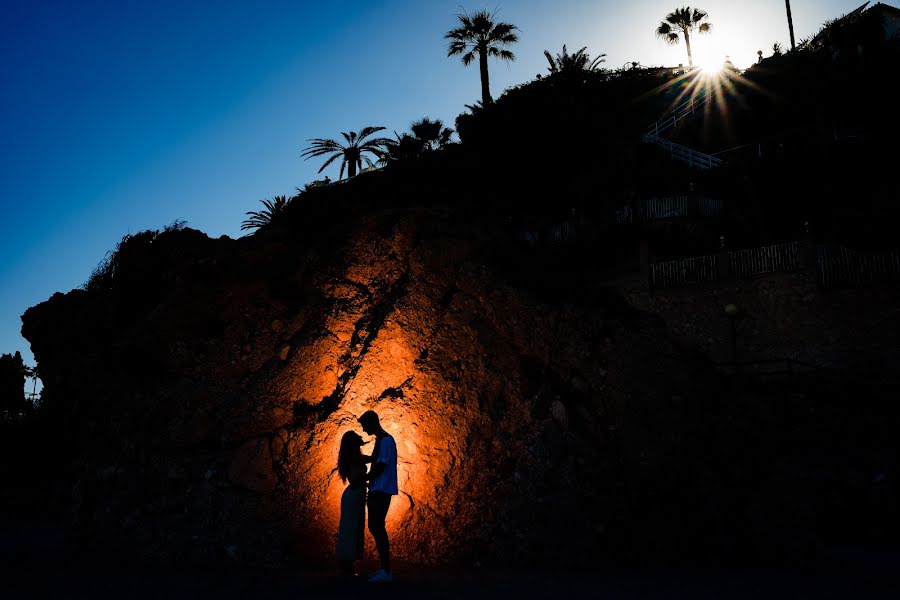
pixel 206 387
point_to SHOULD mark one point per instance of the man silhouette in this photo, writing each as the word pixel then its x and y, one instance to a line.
pixel 382 479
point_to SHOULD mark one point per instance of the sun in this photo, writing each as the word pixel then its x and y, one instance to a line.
pixel 711 58
pixel 712 68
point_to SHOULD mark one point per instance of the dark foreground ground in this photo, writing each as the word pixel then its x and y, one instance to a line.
pixel 34 565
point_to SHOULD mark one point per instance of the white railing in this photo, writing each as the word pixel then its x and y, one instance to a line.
pixel 698 98
pixel 667 208
pixel 768 259
pixel 687 155
pixel 674 273
pixel 836 266
pixel 671 207
pixel 562 232
pixel 844 266
pixel 679 113
pixel 710 207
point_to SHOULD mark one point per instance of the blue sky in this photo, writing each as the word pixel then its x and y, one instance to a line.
pixel 123 115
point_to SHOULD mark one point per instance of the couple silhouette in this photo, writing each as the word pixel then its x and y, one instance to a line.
pixel 381 481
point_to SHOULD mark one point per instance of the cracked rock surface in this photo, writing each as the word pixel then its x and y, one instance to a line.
pixel 206 395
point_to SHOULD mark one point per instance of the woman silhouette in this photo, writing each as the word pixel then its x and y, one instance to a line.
pixel 351 467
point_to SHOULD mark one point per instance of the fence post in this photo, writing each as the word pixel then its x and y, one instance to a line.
pixel 722 260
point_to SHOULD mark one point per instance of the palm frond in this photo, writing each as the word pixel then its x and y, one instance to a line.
pixel 331 159
pixel 430 134
pixel 477 107
pixel 261 218
pixel 506 55
pixel 573 64
pixel 594 64
pixel 367 131
pixel 319 146
pixel 664 31
pixel 552 68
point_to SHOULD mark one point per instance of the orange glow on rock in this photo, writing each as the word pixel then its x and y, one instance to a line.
pixel 388 382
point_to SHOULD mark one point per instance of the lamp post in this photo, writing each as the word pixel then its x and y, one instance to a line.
pixel 790 19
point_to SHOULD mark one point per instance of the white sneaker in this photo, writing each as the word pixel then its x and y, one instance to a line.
pixel 381 577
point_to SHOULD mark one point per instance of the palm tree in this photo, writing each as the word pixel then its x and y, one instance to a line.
pixel 263 217
pixel 683 21
pixel 577 63
pixel 404 148
pixel 31 373
pixel 479 35
pixel 432 134
pixel 353 153
pixel 427 136
pixel 787 5
pixel 476 107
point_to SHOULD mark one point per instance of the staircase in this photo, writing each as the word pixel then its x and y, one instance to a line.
pixel 685 110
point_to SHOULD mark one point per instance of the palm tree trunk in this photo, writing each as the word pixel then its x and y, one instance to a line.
pixel 687 42
pixel 485 78
pixel 351 169
pixel 787 5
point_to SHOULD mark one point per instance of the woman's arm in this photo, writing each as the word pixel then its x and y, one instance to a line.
pixel 358 474
pixel 376 470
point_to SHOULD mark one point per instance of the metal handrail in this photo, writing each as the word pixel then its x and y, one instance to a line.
pixel 692 157
pixel 680 112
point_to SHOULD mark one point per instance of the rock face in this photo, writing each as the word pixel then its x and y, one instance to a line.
pixel 206 394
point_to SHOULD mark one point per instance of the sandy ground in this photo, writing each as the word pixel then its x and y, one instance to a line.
pixel 33 565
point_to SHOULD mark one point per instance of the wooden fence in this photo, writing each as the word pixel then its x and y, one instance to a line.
pixel 563 233
pixel 767 259
pixel 671 207
pixel 841 266
pixel 710 207
pixel 674 273
pixel 667 208
pixel 624 215
pixel 836 266
pixel 740 263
